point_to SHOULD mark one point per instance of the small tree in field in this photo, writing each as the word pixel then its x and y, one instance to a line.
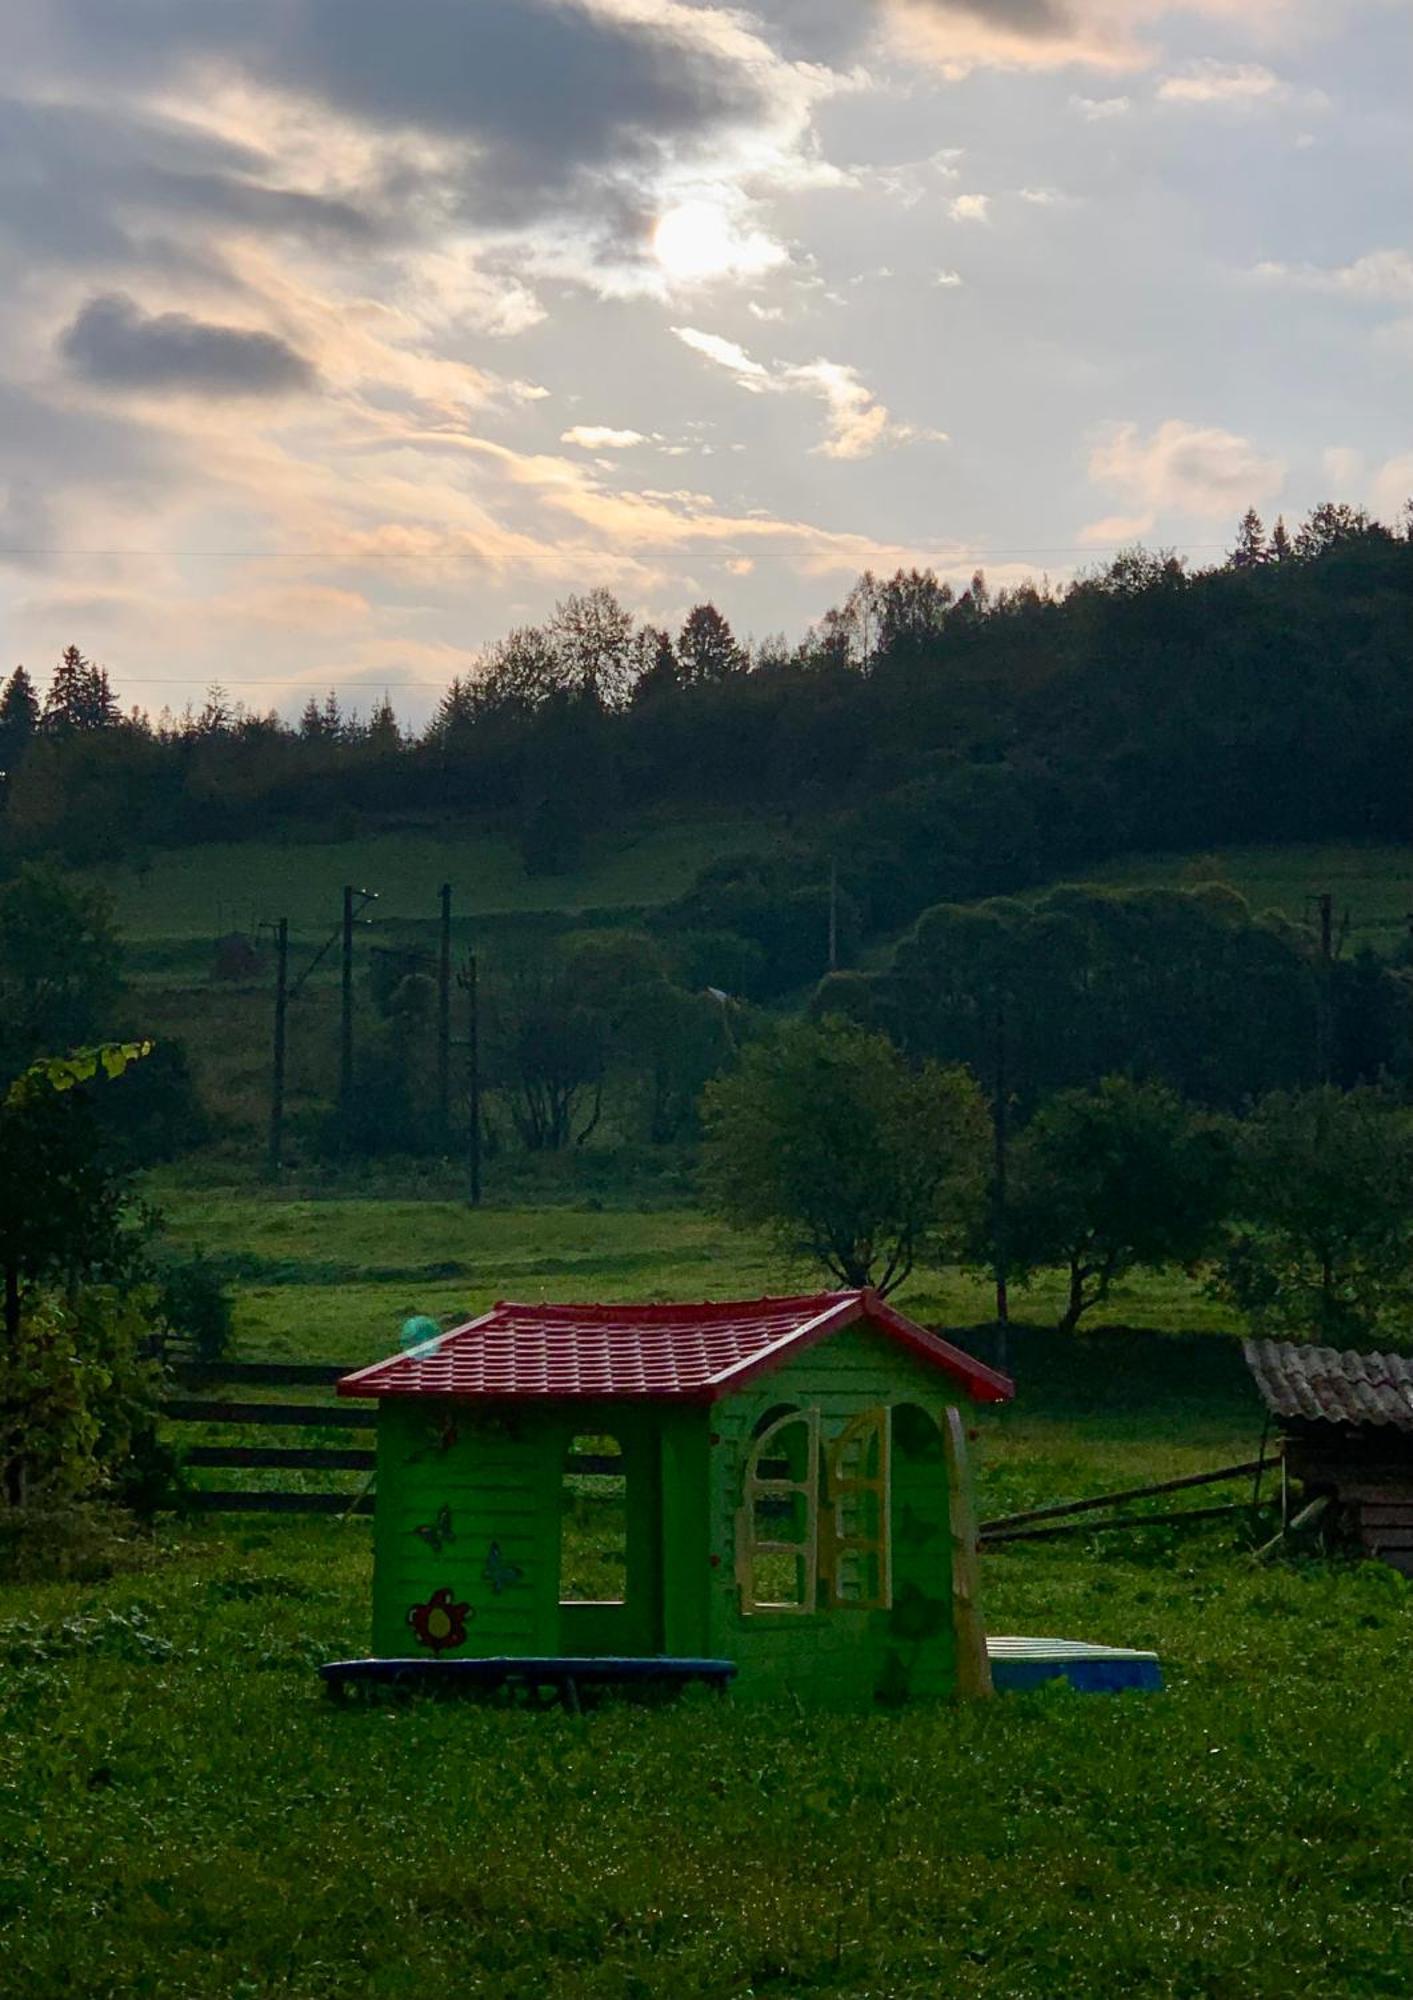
pixel 1326 1198
pixel 1108 1180
pixel 827 1138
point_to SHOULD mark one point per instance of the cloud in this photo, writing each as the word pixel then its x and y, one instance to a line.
pixel 113 342
pixel 957 36
pixel 1237 86
pixel 1180 468
pixel 969 208
pixel 1380 277
pixel 859 424
pixel 726 354
pixel 601 437
pixel 949 279
pixel 1095 110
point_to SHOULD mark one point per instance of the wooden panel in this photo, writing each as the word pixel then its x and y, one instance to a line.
pixel 1383 1514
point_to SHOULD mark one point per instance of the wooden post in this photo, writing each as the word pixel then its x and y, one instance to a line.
pixel 998 1218
pixel 973 1661
pixel 346 1016
pixel 444 1017
pixel 1324 1026
pixel 277 1063
pixel 473 1083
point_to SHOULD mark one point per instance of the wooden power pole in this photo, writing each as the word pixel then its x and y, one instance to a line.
pixel 1001 1135
pixel 444 1017
pixel 346 1012
pixel 467 981
pixel 277 1063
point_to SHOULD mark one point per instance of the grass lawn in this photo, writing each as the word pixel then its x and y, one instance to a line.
pixel 182 1814
pixel 334 1279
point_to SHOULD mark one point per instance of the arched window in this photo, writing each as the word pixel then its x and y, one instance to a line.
pixel 777 1523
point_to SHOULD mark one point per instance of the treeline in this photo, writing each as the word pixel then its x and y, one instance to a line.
pixel 1299 1215
pixel 932 745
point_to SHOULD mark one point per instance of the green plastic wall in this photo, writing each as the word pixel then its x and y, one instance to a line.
pixel 844 1656
pixel 500 1480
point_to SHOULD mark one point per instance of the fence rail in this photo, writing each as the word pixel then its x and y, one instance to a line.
pixel 188 1411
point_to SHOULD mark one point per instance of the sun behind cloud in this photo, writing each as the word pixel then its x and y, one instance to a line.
pixel 701 238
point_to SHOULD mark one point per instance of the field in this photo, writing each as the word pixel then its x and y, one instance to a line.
pixel 1373 886
pixel 172 906
pixel 182 1814
pixel 171 911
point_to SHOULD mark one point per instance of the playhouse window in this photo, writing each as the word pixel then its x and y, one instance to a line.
pixel 777 1526
pixel 593 1558
pixel 856 1546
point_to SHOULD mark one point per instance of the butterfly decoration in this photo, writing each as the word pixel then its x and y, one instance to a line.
pixel 436 1534
pixel 499 1573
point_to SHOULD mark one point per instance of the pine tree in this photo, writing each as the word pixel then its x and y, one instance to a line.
pixel 19 719
pixel 1251 549
pixel 311 721
pixel 79 695
pixel 1280 541
pixel 384 735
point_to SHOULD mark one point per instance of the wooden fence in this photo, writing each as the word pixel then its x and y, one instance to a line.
pixel 225 1406
pixel 192 1411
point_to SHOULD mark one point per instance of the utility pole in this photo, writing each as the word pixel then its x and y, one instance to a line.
pixel 1324 1025
pixel 444 1018
pixel 346 1015
pixel 467 981
pixel 277 1064
pixel 833 914
pixel 998 1220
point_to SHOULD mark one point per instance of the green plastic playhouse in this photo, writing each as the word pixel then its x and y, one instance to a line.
pixel 795 1501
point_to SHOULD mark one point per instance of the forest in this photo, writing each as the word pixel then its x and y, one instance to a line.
pixel 931 745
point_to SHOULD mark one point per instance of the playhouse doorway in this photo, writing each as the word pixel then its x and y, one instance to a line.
pixel 610 1564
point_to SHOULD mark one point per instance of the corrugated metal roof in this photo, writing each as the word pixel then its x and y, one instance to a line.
pixel 695 1351
pixel 1323 1385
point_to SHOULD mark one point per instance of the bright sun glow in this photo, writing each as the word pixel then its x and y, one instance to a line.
pixel 695 240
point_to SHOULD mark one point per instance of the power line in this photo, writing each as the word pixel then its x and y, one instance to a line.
pixel 714 553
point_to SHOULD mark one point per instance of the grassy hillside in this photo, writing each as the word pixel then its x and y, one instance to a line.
pixel 1374 884
pixel 172 906
pixel 171 915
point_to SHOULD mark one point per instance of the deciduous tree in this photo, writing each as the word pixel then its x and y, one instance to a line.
pixel 826 1137
pixel 1109 1180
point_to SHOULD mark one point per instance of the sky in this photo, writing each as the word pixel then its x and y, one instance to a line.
pixel 336 338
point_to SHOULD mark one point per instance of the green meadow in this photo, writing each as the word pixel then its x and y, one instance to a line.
pixel 182 1813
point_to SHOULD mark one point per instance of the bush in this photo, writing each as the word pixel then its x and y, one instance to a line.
pixel 195 1307
pixel 78 1401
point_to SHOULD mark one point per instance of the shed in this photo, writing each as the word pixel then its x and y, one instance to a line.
pixel 1346 1420
pixel 778 1483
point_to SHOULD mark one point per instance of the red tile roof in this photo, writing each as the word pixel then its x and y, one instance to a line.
pixel 698 1352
